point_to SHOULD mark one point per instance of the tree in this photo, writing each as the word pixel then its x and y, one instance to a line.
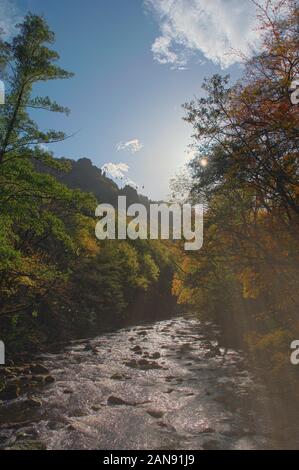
pixel 38 215
pixel 247 274
pixel 249 131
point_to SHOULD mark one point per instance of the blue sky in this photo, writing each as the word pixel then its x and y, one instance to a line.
pixel 135 63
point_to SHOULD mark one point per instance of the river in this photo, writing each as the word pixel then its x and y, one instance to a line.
pixel 165 385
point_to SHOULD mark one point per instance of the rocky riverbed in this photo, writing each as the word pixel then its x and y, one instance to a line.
pixel 162 386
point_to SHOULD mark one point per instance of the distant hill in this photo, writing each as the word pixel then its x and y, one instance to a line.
pixel 89 178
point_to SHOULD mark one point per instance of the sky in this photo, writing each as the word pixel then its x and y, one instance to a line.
pixel 135 63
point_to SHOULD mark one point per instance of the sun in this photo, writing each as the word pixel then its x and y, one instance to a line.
pixel 204 162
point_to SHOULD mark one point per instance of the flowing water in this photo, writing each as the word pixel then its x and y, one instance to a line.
pixel 162 386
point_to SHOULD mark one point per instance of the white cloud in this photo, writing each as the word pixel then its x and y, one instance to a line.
pixel 132 146
pixel 161 49
pixel 9 17
pixel 209 29
pixel 118 172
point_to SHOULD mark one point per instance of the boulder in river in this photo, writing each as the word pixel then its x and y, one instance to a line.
pixel 118 376
pixel 116 401
pixel 49 379
pixel 155 355
pixel 43 379
pixel 142 333
pixel 145 364
pixel 96 407
pixel 33 402
pixel 39 369
pixel 155 413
